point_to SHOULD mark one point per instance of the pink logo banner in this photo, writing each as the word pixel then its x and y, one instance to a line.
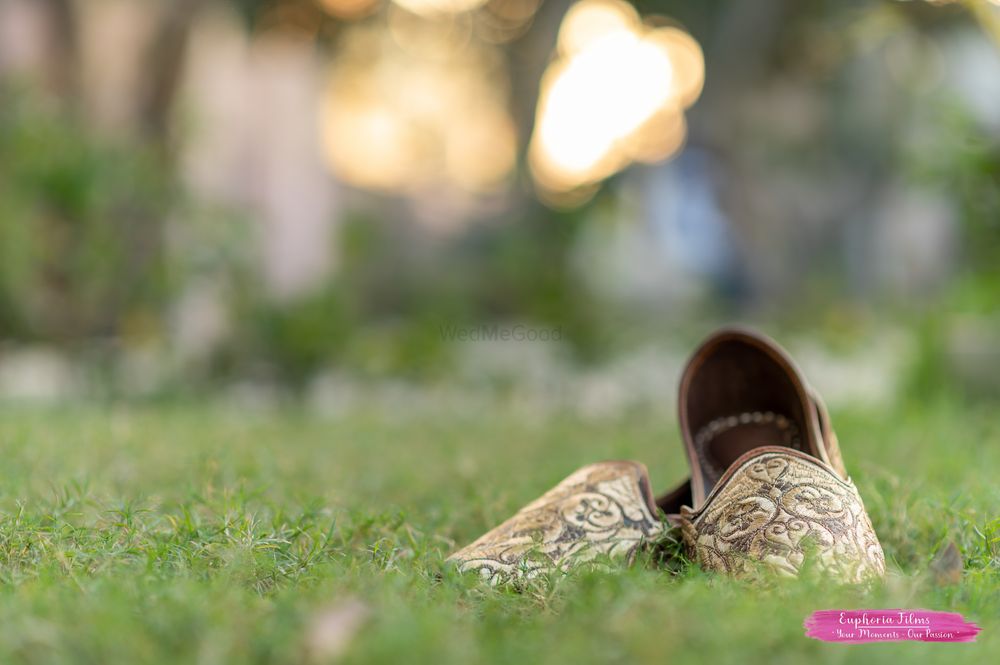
pixel 862 626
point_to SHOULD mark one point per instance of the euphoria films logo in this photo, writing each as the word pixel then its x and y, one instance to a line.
pixel 862 626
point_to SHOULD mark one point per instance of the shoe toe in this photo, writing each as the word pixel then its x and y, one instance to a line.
pixel 779 509
pixel 601 512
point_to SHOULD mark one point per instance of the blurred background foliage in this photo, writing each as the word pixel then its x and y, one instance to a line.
pixel 193 220
pixel 81 224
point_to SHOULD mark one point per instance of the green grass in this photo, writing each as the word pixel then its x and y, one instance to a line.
pixel 211 535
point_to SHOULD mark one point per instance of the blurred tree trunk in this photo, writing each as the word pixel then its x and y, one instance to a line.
pixel 527 60
pixel 130 217
pixel 63 36
pixel 164 62
pixel 143 223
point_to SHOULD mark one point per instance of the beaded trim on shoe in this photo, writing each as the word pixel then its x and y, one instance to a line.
pixel 787 428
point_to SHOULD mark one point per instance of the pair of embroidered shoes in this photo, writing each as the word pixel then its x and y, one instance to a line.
pixel 767 488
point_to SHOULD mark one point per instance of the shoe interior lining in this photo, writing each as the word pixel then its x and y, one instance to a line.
pixel 723 440
pixel 740 398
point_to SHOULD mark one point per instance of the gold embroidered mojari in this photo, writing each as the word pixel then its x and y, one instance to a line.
pixel 768 486
pixel 601 513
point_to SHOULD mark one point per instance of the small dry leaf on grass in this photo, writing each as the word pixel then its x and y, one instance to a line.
pixel 948 565
pixel 333 628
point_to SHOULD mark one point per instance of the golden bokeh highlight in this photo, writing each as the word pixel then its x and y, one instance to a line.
pixel 349 9
pixel 615 94
pixel 503 21
pixel 587 22
pixel 419 117
pixel 439 7
pixel 687 60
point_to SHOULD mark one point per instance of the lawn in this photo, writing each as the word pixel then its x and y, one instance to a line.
pixel 211 534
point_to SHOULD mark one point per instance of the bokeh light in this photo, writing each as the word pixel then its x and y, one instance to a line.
pixel 502 21
pixel 586 22
pixel 416 108
pixel 349 9
pixel 439 7
pixel 615 94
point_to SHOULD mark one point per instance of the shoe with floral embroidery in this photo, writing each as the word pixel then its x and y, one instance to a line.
pixel 768 485
pixel 601 513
